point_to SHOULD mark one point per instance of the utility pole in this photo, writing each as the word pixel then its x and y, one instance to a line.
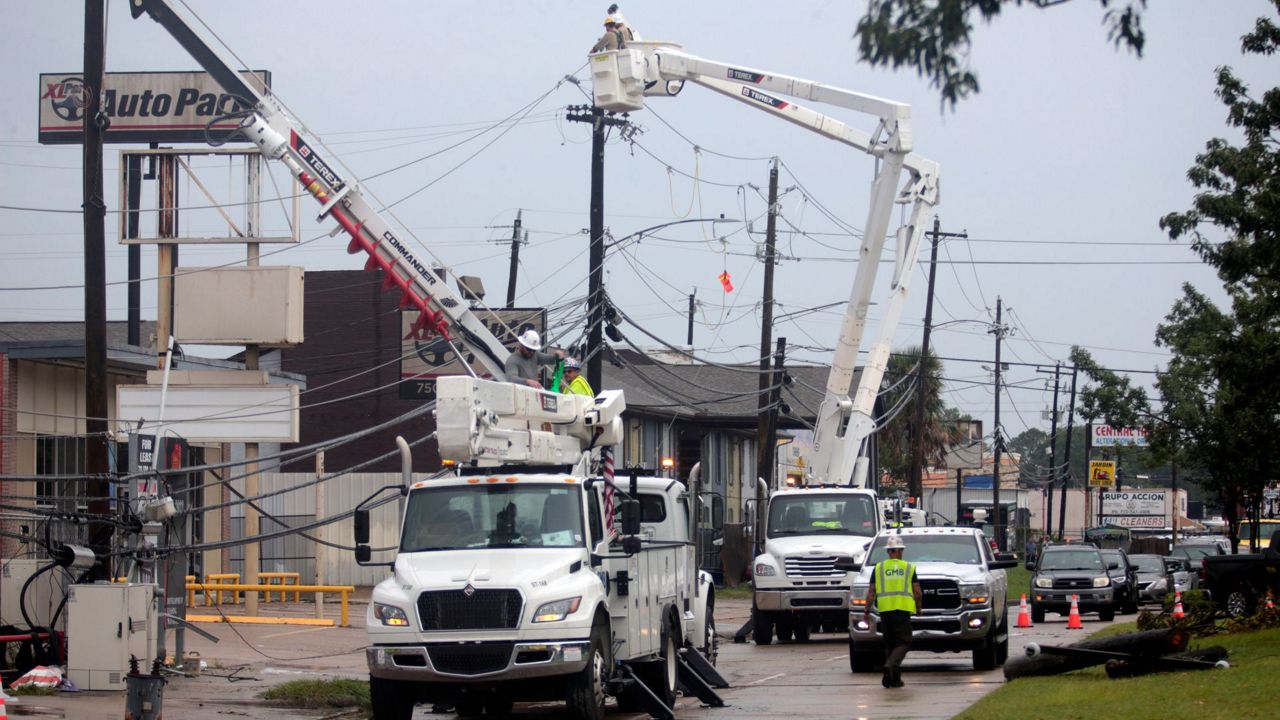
pixel 600 122
pixel 516 240
pixel 692 305
pixel 915 477
pixel 1066 477
pixel 1053 449
pixel 767 451
pixel 765 441
pixel 996 525
pixel 95 291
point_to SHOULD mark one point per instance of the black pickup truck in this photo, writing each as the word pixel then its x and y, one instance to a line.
pixel 1237 582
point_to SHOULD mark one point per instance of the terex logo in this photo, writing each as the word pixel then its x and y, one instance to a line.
pixel 764 99
pixel 314 162
pixel 745 75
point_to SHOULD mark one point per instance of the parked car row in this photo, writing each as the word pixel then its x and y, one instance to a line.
pixel 1109 581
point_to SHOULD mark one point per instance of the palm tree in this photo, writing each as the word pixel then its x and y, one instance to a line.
pixel 942 425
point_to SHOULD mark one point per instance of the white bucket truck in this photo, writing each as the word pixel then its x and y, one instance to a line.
pixel 509 585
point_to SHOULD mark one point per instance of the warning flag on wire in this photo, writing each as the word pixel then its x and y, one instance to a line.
pixel 726 281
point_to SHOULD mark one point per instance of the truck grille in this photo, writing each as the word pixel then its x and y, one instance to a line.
pixel 812 566
pixel 940 594
pixel 470 659
pixel 481 610
pixel 1072 583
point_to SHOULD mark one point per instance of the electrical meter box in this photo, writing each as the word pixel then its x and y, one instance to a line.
pixel 106 624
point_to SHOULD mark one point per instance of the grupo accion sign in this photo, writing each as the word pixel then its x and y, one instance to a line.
pixel 143 107
pixel 1107 436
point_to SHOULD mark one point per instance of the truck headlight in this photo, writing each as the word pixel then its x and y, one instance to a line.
pixel 557 610
pixel 974 594
pixel 1101 582
pixel 390 615
pixel 1044 582
pixel 858 596
pixel 765 570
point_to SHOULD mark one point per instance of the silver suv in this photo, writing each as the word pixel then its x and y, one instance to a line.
pixel 964 588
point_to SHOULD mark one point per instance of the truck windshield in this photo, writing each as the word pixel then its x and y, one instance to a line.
pixel 1082 559
pixel 488 516
pixel 932 548
pixel 822 515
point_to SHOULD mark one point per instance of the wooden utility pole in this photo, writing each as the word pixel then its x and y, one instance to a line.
pixel 915 477
pixel 95 291
pixel 1066 476
pixel 515 260
pixel 765 442
pixel 1053 449
pixel 600 122
pixel 997 526
pixel 692 306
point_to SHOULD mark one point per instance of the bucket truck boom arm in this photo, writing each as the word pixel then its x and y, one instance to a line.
pixel 442 312
pixel 621 79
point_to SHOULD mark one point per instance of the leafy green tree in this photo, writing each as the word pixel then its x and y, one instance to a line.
pixel 932 36
pixel 941 424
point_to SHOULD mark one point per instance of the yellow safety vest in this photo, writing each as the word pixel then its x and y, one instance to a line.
pixel 893 586
pixel 579 386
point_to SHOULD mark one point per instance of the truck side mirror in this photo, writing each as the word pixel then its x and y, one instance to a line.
pixel 363 554
pixel 631 544
pixel 361 523
pixel 630 517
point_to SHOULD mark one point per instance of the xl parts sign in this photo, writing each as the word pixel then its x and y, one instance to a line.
pixel 143 107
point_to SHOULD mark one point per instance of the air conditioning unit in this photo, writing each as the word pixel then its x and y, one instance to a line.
pixel 106 624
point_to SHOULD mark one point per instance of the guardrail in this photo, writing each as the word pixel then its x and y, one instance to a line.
pixel 289 579
pixel 236 588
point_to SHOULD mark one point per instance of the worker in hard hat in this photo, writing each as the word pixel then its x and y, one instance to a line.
pixel 612 39
pixel 620 23
pixel 524 365
pixel 574 383
pixel 895 593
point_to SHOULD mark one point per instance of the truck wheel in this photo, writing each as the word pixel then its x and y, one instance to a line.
pixel 861 661
pixel 586 689
pixel 984 656
pixel 801 631
pixel 1108 614
pixel 710 643
pixel 1037 615
pixel 762 628
pixel 1238 603
pixel 391 699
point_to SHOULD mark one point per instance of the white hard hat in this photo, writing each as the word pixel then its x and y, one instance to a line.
pixel 894 543
pixel 530 339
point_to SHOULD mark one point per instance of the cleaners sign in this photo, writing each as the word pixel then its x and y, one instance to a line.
pixel 143 107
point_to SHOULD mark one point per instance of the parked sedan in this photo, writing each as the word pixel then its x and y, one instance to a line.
pixel 1124 580
pixel 1153 576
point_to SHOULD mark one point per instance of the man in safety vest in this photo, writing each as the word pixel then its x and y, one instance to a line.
pixel 574 383
pixel 895 593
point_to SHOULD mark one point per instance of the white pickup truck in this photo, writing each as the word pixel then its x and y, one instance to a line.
pixel 506 587
pixel 797 586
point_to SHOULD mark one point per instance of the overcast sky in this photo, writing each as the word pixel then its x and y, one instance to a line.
pixel 1058 170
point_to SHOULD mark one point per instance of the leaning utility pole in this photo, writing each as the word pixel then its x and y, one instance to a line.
pixel 515 260
pixel 765 443
pixel 915 477
pixel 1066 477
pixel 95 291
pixel 996 525
pixel 692 305
pixel 600 121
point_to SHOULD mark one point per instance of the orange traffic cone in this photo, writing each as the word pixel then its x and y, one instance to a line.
pixel 4 709
pixel 1024 615
pixel 1073 620
pixel 1177 607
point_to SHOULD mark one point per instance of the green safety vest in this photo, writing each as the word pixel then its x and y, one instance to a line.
pixel 893 586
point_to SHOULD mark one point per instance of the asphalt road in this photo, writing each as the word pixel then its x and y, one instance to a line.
pixel 794 680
